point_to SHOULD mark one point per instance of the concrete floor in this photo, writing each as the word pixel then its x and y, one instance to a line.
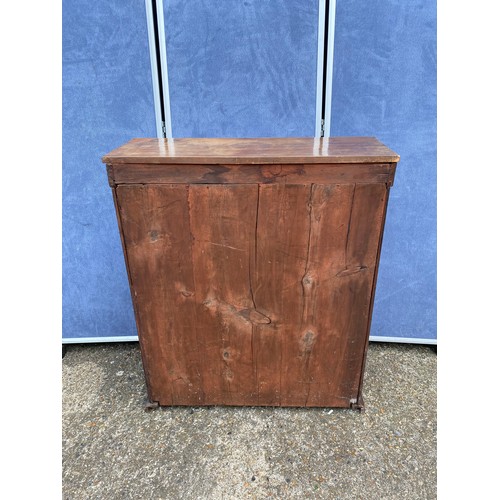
pixel 113 449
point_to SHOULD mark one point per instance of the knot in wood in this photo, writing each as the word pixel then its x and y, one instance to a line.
pixel 308 280
pixel 308 339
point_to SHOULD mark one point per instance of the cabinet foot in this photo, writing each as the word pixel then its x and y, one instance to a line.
pixel 358 404
pixel 151 405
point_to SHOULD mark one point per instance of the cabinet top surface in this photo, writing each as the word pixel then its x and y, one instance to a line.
pixel 253 151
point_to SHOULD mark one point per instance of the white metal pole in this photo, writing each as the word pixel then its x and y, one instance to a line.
pixel 164 68
pixel 154 67
pixel 135 338
pixel 329 67
pixel 319 66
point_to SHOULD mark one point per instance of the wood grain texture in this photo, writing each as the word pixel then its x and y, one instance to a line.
pixel 252 294
pixel 223 231
pixel 155 224
pixel 254 288
pixel 281 247
pixel 328 150
pixel 125 173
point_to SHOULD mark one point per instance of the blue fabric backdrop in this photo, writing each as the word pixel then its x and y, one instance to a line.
pixel 107 99
pixel 242 68
pixel 247 69
pixel 384 85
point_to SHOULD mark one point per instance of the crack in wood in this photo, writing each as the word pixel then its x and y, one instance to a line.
pixel 254 358
pixel 255 251
pixel 225 246
pixel 349 227
pixel 352 270
pixel 199 365
pixel 307 283
pixel 230 311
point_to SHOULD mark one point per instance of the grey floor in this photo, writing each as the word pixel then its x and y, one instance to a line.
pixel 113 449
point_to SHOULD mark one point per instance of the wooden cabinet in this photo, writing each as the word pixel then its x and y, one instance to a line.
pixel 252 265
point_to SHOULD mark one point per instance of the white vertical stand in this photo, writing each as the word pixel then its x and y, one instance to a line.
pixel 329 68
pixel 154 67
pixel 164 68
pixel 323 129
pixel 319 67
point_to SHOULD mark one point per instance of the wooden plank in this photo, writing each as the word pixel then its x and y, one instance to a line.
pixel 155 225
pixel 337 173
pixel 223 222
pixel 310 339
pixel 253 151
pixel 342 276
pixel 147 372
pixel 252 295
pixel 282 240
pixel 372 298
pixel 323 282
pixel 241 309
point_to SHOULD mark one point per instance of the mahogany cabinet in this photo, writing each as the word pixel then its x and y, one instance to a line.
pixel 252 265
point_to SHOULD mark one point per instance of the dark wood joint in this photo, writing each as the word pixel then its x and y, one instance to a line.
pixel 390 180
pixel 111 177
